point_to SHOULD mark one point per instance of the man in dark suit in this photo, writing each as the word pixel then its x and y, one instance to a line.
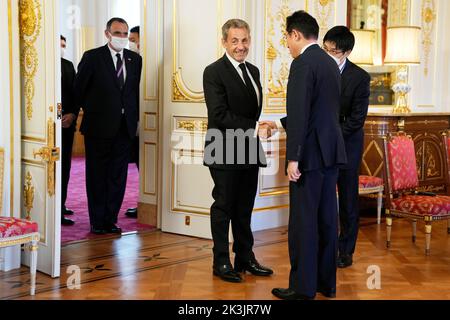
pixel 315 149
pixel 69 121
pixel 339 43
pixel 107 85
pixel 135 47
pixel 233 154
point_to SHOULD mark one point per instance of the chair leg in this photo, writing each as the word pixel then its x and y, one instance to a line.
pixel 388 230
pixel 428 237
pixel 448 226
pixel 379 205
pixel 34 253
pixel 414 234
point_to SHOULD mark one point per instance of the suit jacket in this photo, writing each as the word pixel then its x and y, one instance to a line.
pixel 69 104
pixel 99 93
pixel 354 107
pixel 314 137
pixel 231 107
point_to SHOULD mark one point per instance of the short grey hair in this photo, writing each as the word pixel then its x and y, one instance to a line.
pixel 235 24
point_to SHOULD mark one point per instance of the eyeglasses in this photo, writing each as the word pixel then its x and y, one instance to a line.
pixel 332 51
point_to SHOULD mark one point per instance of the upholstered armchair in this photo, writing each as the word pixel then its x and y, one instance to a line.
pixel 17 232
pixel 372 186
pixel 403 199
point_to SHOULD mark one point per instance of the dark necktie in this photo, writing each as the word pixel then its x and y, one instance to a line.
pixel 248 83
pixel 119 71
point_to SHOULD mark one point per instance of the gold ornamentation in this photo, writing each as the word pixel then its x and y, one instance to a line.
pixel 30 17
pixel 181 93
pixel 49 154
pixel 430 163
pixel 428 26
pixel 193 125
pixel 399 12
pixel 28 195
pixel 19 240
pixel 324 10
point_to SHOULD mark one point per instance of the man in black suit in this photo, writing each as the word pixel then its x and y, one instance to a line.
pixel 339 43
pixel 107 85
pixel 233 154
pixel 69 121
pixel 315 149
pixel 135 47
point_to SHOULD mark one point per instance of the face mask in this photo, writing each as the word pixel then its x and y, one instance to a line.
pixel 63 52
pixel 134 47
pixel 119 43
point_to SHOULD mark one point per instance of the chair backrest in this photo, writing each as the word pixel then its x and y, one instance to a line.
pixel 400 158
pixel 2 163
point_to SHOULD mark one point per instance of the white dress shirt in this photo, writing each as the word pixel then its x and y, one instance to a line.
pixel 241 74
pixel 114 57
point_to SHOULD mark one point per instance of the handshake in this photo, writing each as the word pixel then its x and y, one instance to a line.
pixel 266 129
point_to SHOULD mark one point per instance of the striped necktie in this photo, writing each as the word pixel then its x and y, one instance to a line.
pixel 119 71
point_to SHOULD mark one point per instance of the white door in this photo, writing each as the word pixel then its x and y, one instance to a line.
pixel 40 132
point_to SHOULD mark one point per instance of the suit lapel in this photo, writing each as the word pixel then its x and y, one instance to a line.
pixel 258 84
pixel 128 63
pixel 346 75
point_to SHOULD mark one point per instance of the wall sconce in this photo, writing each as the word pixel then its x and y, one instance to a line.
pixel 362 53
pixel 402 50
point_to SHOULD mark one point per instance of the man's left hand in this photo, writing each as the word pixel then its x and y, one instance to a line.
pixel 293 172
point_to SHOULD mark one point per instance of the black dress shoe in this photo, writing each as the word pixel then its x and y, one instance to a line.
pixel 113 229
pixel 226 273
pixel 132 213
pixel 289 294
pixel 67 212
pixel 253 267
pixel 329 293
pixel 66 222
pixel 345 260
pixel 97 230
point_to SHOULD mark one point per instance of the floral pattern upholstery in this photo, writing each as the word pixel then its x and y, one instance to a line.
pixel 369 182
pixel 12 227
pixel 423 205
pixel 402 163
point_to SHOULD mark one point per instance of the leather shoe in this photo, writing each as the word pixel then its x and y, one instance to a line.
pixel 67 212
pixel 289 294
pixel 253 267
pixel 132 213
pixel 345 260
pixel 226 273
pixel 113 229
pixel 96 230
pixel 329 293
pixel 66 222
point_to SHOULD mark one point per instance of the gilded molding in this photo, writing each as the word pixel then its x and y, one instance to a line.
pixel 28 195
pixel 428 26
pixel 192 125
pixel 19 240
pixel 324 9
pixel 399 13
pixel 30 17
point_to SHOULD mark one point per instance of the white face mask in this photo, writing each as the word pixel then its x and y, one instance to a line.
pixel 63 52
pixel 118 43
pixel 134 47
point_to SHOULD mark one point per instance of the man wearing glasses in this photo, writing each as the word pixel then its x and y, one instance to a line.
pixel 354 104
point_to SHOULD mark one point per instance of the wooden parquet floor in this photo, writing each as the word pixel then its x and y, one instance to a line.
pixel 165 266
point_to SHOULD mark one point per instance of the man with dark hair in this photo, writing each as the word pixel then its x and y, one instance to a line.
pixel 339 43
pixel 68 123
pixel 233 95
pixel 107 86
pixel 315 149
pixel 134 39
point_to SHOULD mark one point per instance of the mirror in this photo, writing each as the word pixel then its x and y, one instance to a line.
pixel 373 15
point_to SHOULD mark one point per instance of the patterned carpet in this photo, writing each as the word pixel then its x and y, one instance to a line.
pixel 77 201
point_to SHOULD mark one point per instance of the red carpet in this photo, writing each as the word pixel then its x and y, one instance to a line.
pixel 77 201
